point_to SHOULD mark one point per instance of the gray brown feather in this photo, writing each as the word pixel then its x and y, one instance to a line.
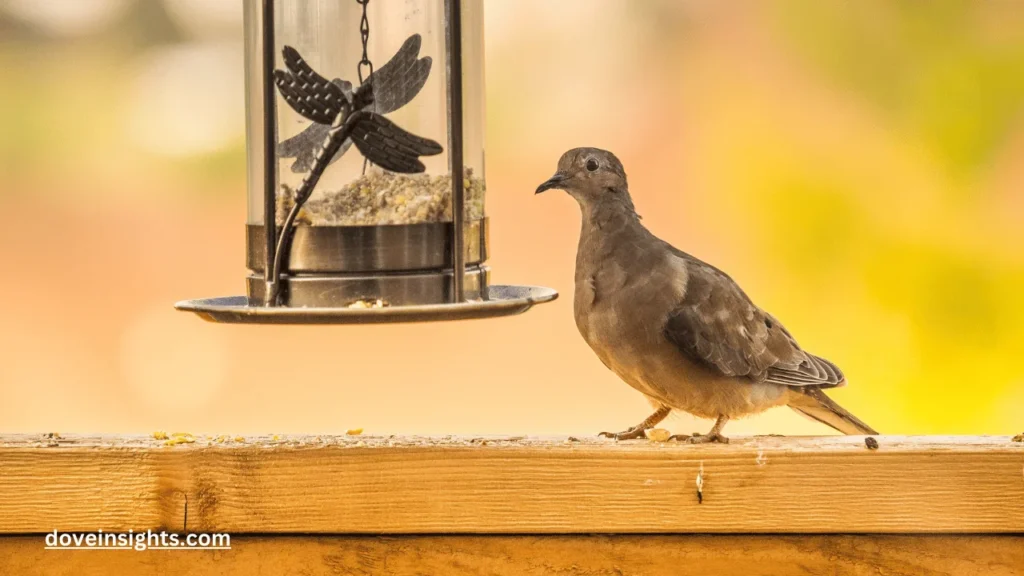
pixel 717 325
pixel 817 406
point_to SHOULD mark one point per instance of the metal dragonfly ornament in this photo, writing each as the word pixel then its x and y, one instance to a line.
pixel 342 116
pixel 394 85
pixel 356 115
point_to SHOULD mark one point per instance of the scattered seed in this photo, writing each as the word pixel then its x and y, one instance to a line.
pixel 871 443
pixel 179 440
pixel 160 435
pixel 657 434
pixel 354 432
pixel 378 303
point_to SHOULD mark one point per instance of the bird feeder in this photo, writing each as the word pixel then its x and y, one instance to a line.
pixel 366 166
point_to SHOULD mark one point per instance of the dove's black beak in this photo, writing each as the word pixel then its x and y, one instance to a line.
pixel 556 181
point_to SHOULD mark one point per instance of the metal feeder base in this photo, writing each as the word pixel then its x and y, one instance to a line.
pixel 501 301
pixel 397 289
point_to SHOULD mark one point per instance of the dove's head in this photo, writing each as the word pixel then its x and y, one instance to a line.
pixel 590 175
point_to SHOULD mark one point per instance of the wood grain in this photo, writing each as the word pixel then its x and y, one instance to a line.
pixel 543 555
pixel 378 485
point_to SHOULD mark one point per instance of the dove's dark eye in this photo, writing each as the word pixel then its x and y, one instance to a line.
pixel 592 165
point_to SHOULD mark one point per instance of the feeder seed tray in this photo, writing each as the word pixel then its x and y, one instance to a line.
pixel 501 301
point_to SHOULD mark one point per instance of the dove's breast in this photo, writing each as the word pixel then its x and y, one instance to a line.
pixel 619 311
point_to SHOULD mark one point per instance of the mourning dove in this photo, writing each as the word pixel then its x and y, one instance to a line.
pixel 677 329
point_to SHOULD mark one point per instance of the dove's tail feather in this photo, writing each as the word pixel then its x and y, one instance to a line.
pixel 814 404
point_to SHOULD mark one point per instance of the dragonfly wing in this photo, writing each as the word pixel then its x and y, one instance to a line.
pixel 387 145
pixel 307 92
pixel 304 145
pixel 398 81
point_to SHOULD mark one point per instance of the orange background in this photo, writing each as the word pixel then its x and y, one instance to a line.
pixel 856 167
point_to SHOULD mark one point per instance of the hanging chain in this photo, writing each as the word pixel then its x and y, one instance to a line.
pixel 364 31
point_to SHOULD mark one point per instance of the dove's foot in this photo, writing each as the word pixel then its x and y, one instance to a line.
pixel 631 434
pixel 715 435
pixel 707 438
pixel 638 430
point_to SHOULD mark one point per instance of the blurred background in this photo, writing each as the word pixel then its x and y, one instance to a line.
pixel 857 167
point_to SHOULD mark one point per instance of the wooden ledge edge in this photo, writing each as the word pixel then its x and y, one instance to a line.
pixel 182 440
pixel 511 485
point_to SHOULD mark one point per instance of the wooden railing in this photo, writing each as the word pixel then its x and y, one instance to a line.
pixel 550 506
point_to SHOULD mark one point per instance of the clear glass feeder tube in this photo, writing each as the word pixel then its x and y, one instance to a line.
pixel 406 46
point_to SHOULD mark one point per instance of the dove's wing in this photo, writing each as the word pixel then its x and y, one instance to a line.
pixel 398 81
pixel 309 93
pixel 718 326
pixel 388 146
